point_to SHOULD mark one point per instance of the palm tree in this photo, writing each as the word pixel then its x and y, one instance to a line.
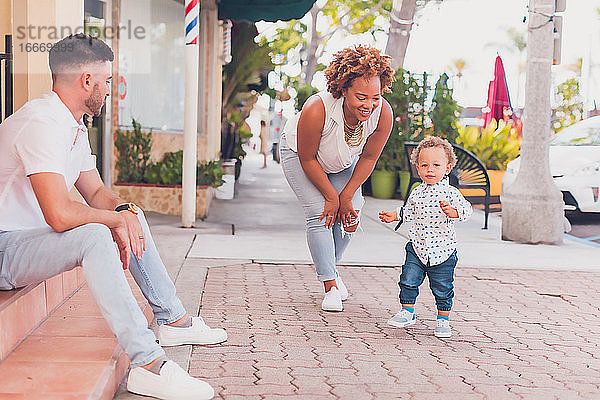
pixel 250 64
pixel 458 65
pixel 519 42
pixel 576 67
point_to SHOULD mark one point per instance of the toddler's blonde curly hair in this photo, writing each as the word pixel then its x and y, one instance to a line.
pixel 434 141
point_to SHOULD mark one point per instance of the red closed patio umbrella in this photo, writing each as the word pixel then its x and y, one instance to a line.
pixel 498 103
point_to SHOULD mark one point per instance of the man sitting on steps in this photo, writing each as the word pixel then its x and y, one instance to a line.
pixel 45 152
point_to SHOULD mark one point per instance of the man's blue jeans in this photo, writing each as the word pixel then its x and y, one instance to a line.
pixel 441 278
pixel 31 256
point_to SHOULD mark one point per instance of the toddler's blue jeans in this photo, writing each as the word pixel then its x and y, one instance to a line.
pixel 441 278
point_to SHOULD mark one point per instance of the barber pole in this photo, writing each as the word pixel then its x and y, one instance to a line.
pixel 191 21
pixel 190 115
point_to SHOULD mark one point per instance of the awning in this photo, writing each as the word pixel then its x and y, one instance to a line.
pixel 264 10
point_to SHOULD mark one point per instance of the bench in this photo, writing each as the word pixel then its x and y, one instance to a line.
pixel 468 173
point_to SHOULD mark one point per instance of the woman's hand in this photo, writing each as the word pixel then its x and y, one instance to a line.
pixel 330 211
pixel 347 215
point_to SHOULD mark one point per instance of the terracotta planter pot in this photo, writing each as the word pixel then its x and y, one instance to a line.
pixel 495 185
pixel 164 199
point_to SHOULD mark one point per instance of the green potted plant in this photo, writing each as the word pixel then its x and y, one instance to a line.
pixel 407 101
pixel 495 145
pixel 243 134
pixel 384 178
pixel 210 173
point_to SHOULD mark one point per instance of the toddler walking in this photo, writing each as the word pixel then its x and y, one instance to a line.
pixel 432 209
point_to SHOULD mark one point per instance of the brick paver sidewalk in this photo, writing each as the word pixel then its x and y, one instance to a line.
pixel 516 334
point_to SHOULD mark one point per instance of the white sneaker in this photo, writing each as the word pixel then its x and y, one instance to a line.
pixel 198 333
pixel 332 300
pixel 402 319
pixel 342 288
pixel 172 383
pixel 442 328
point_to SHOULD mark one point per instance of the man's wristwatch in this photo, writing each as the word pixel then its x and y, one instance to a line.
pixel 127 207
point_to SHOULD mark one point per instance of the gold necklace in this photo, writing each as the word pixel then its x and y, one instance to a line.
pixel 353 134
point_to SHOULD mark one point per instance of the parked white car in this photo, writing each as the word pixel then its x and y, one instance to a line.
pixel 574 165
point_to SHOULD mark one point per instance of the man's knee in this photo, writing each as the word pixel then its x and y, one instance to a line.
pixel 94 234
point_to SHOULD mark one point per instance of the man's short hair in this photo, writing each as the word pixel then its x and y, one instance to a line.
pixel 74 51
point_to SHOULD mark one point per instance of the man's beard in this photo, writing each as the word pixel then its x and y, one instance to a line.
pixel 95 101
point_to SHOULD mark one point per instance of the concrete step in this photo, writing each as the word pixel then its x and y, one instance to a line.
pixel 22 310
pixel 71 354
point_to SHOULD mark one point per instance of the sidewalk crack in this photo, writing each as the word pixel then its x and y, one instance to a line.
pixel 559 295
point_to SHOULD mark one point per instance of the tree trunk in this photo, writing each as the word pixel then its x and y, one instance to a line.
pixel 313 44
pixel 403 12
pixel 532 207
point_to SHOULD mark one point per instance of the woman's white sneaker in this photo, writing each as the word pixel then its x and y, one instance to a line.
pixel 332 300
pixel 198 333
pixel 342 288
pixel 171 383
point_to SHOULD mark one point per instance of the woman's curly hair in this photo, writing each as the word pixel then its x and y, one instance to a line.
pixel 434 141
pixel 360 61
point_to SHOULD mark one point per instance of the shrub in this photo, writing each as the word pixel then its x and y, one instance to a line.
pixel 135 166
pixel 210 173
pixel 445 112
pixel 169 171
pixel 495 145
pixel 133 147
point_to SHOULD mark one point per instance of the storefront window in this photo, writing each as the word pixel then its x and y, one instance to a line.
pixel 151 61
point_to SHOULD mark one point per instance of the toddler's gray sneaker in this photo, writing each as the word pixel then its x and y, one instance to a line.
pixel 442 328
pixel 402 319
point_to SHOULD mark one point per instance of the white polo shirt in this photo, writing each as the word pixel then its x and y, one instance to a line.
pixel 42 136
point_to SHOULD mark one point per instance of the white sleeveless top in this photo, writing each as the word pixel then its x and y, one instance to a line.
pixel 333 154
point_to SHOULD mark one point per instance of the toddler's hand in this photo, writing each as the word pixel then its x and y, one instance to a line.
pixel 448 210
pixel 388 216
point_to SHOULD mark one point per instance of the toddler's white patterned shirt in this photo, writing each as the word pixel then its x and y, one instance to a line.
pixel 431 231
